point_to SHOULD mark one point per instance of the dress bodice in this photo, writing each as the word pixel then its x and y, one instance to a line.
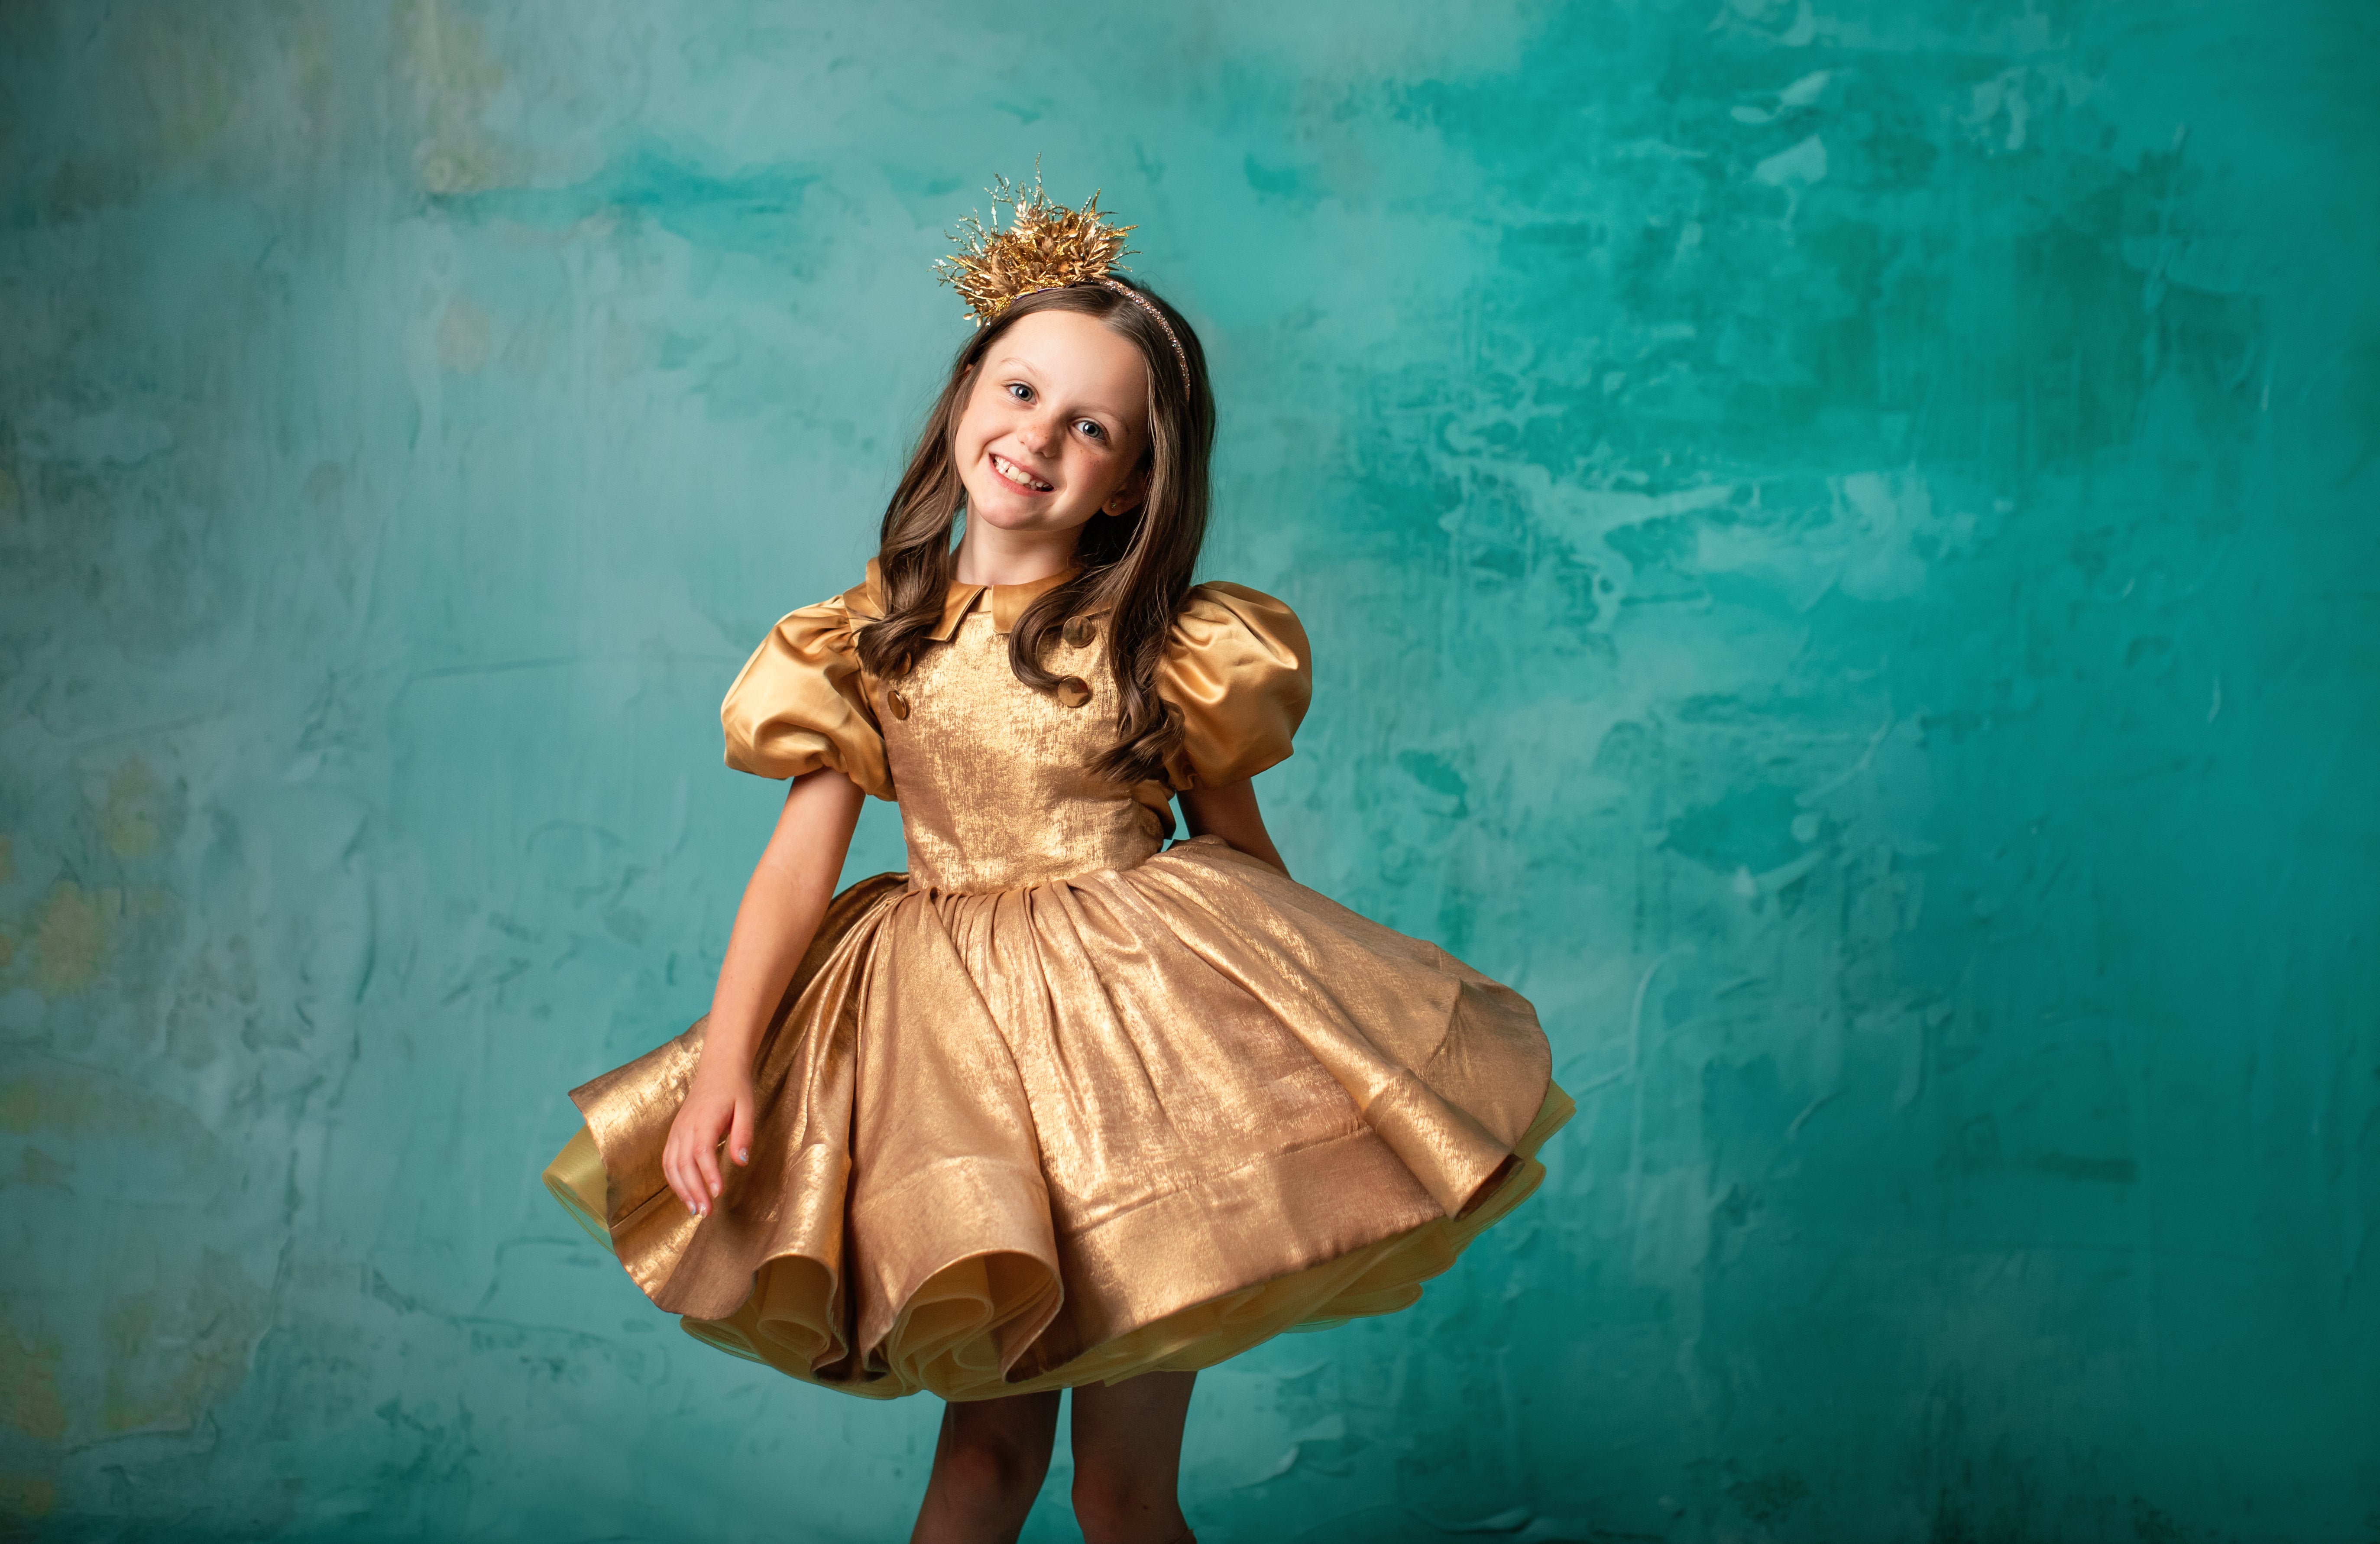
pixel 994 777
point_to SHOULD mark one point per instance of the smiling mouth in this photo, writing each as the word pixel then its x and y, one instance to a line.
pixel 1017 475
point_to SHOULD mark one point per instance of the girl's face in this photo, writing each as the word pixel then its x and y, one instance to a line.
pixel 1055 424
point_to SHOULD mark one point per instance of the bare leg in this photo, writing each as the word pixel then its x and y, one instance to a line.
pixel 988 1463
pixel 1128 1460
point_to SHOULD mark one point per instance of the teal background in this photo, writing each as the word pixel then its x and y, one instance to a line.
pixel 1840 542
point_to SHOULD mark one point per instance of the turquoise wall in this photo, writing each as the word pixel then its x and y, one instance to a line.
pixel 1840 541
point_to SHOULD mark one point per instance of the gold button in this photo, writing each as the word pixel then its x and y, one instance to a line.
pixel 1078 631
pixel 898 703
pixel 1073 692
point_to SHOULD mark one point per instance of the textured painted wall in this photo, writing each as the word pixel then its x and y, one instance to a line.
pixel 1840 536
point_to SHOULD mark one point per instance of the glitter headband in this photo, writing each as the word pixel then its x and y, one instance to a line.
pixel 1045 246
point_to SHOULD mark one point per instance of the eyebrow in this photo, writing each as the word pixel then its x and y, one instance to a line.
pixel 1012 360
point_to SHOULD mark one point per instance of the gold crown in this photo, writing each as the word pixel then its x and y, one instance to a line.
pixel 1045 246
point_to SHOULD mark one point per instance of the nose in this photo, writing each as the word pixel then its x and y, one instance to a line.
pixel 1038 433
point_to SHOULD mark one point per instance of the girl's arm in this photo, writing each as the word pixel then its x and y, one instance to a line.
pixel 1229 811
pixel 788 892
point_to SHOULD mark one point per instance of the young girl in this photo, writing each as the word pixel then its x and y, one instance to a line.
pixel 1061 1106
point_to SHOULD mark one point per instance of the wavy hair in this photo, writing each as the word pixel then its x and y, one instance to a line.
pixel 1135 567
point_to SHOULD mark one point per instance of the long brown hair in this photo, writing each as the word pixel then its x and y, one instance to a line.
pixel 1135 567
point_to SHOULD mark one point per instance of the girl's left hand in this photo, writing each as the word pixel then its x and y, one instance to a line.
pixel 716 1108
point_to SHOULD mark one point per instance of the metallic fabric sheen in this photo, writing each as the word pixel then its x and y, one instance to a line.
pixel 1057 1106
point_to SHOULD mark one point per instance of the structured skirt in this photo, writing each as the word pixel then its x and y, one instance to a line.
pixel 1128 1120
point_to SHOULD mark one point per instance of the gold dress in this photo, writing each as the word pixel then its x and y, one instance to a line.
pixel 1062 1104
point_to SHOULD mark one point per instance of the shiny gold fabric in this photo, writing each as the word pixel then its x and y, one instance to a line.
pixel 995 780
pixel 801 702
pixel 1057 1107
pixel 1236 666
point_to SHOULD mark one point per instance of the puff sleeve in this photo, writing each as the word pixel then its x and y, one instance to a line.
pixel 1237 666
pixel 801 702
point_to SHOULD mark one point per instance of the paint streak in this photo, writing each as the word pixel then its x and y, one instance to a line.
pixel 29 1387
pixel 69 943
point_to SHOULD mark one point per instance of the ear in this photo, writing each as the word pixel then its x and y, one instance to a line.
pixel 1130 496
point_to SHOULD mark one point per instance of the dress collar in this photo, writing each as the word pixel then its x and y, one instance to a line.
pixel 1008 603
pixel 1008 600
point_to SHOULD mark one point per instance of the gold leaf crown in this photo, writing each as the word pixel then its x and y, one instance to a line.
pixel 1046 245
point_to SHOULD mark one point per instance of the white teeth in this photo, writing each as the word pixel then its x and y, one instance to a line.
pixel 1017 474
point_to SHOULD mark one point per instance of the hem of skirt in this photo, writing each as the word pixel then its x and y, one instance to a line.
pixel 1380 1277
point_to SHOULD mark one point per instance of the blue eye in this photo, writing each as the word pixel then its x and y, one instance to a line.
pixel 1091 429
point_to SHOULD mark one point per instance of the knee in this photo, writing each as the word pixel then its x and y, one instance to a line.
pixel 991 1472
pixel 1126 1508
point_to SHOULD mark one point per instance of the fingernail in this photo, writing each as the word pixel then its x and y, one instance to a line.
pixel 743 1155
